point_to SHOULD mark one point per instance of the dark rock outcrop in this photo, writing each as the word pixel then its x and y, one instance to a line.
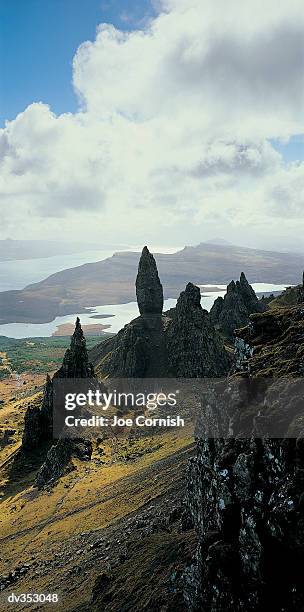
pixel 55 464
pixel 38 423
pixel 233 311
pixel 127 354
pixel 46 415
pixel 248 494
pixel 149 291
pixel 76 361
pixel 194 348
pixel 58 458
pixel 245 490
pixel 276 338
pixel 291 296
pixel 38 420
pixel 32 428
pixel 179 343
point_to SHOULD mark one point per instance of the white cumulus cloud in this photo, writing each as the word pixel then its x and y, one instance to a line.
pixel 173 131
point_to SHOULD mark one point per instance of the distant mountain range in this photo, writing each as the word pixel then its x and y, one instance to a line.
pixel 111 281
pixel 33 249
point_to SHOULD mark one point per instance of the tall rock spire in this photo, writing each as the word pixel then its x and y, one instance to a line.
pixel 39 420
pixel 149 290
pixel 76 362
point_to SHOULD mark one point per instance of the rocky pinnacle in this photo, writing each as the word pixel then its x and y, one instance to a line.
pixel 38 425
pixel 76 363
pixel 149 290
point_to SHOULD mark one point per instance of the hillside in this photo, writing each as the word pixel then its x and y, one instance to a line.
pixel 64 540
pixel 111 281
pixel 84 536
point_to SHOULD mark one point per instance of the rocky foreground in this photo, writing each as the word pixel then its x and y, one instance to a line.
pixel 245 487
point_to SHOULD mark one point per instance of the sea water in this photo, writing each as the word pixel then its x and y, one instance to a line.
pixel 123 313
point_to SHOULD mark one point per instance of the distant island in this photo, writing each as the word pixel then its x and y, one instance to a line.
pixel 67 329
pixel 101 316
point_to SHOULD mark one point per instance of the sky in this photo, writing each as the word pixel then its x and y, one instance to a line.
pixel 38 40
pixel 170 121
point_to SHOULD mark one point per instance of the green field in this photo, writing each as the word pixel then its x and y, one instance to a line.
pixel 38 354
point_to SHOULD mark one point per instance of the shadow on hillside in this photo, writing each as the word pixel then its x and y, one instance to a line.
pixel 21 471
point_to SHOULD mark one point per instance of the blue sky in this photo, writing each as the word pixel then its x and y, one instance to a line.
pixel 38 39
pixel 291 151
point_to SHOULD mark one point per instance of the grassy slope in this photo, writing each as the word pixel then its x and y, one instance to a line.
pixel 55 531
pixel 37 528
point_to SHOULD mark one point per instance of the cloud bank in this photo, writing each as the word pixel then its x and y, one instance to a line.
pixel 173 133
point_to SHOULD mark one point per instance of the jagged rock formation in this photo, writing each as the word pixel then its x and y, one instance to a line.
pixel 245 490
pixel 38 425
pixel 233 311
pixel 38 420
pixel 149 290
pixel 179 343
pixel 32 428
pixel 245 500
pixel 58 458
pixel 128 354
pixel 194 348
pixel 46 415
pixel 76 361
pixel 56 461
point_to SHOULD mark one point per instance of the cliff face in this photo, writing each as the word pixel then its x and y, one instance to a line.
pixel 38 421
pixel 233 311
pixel 180 343
pixel 245 489
pixel 194 348
pixel 245 501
